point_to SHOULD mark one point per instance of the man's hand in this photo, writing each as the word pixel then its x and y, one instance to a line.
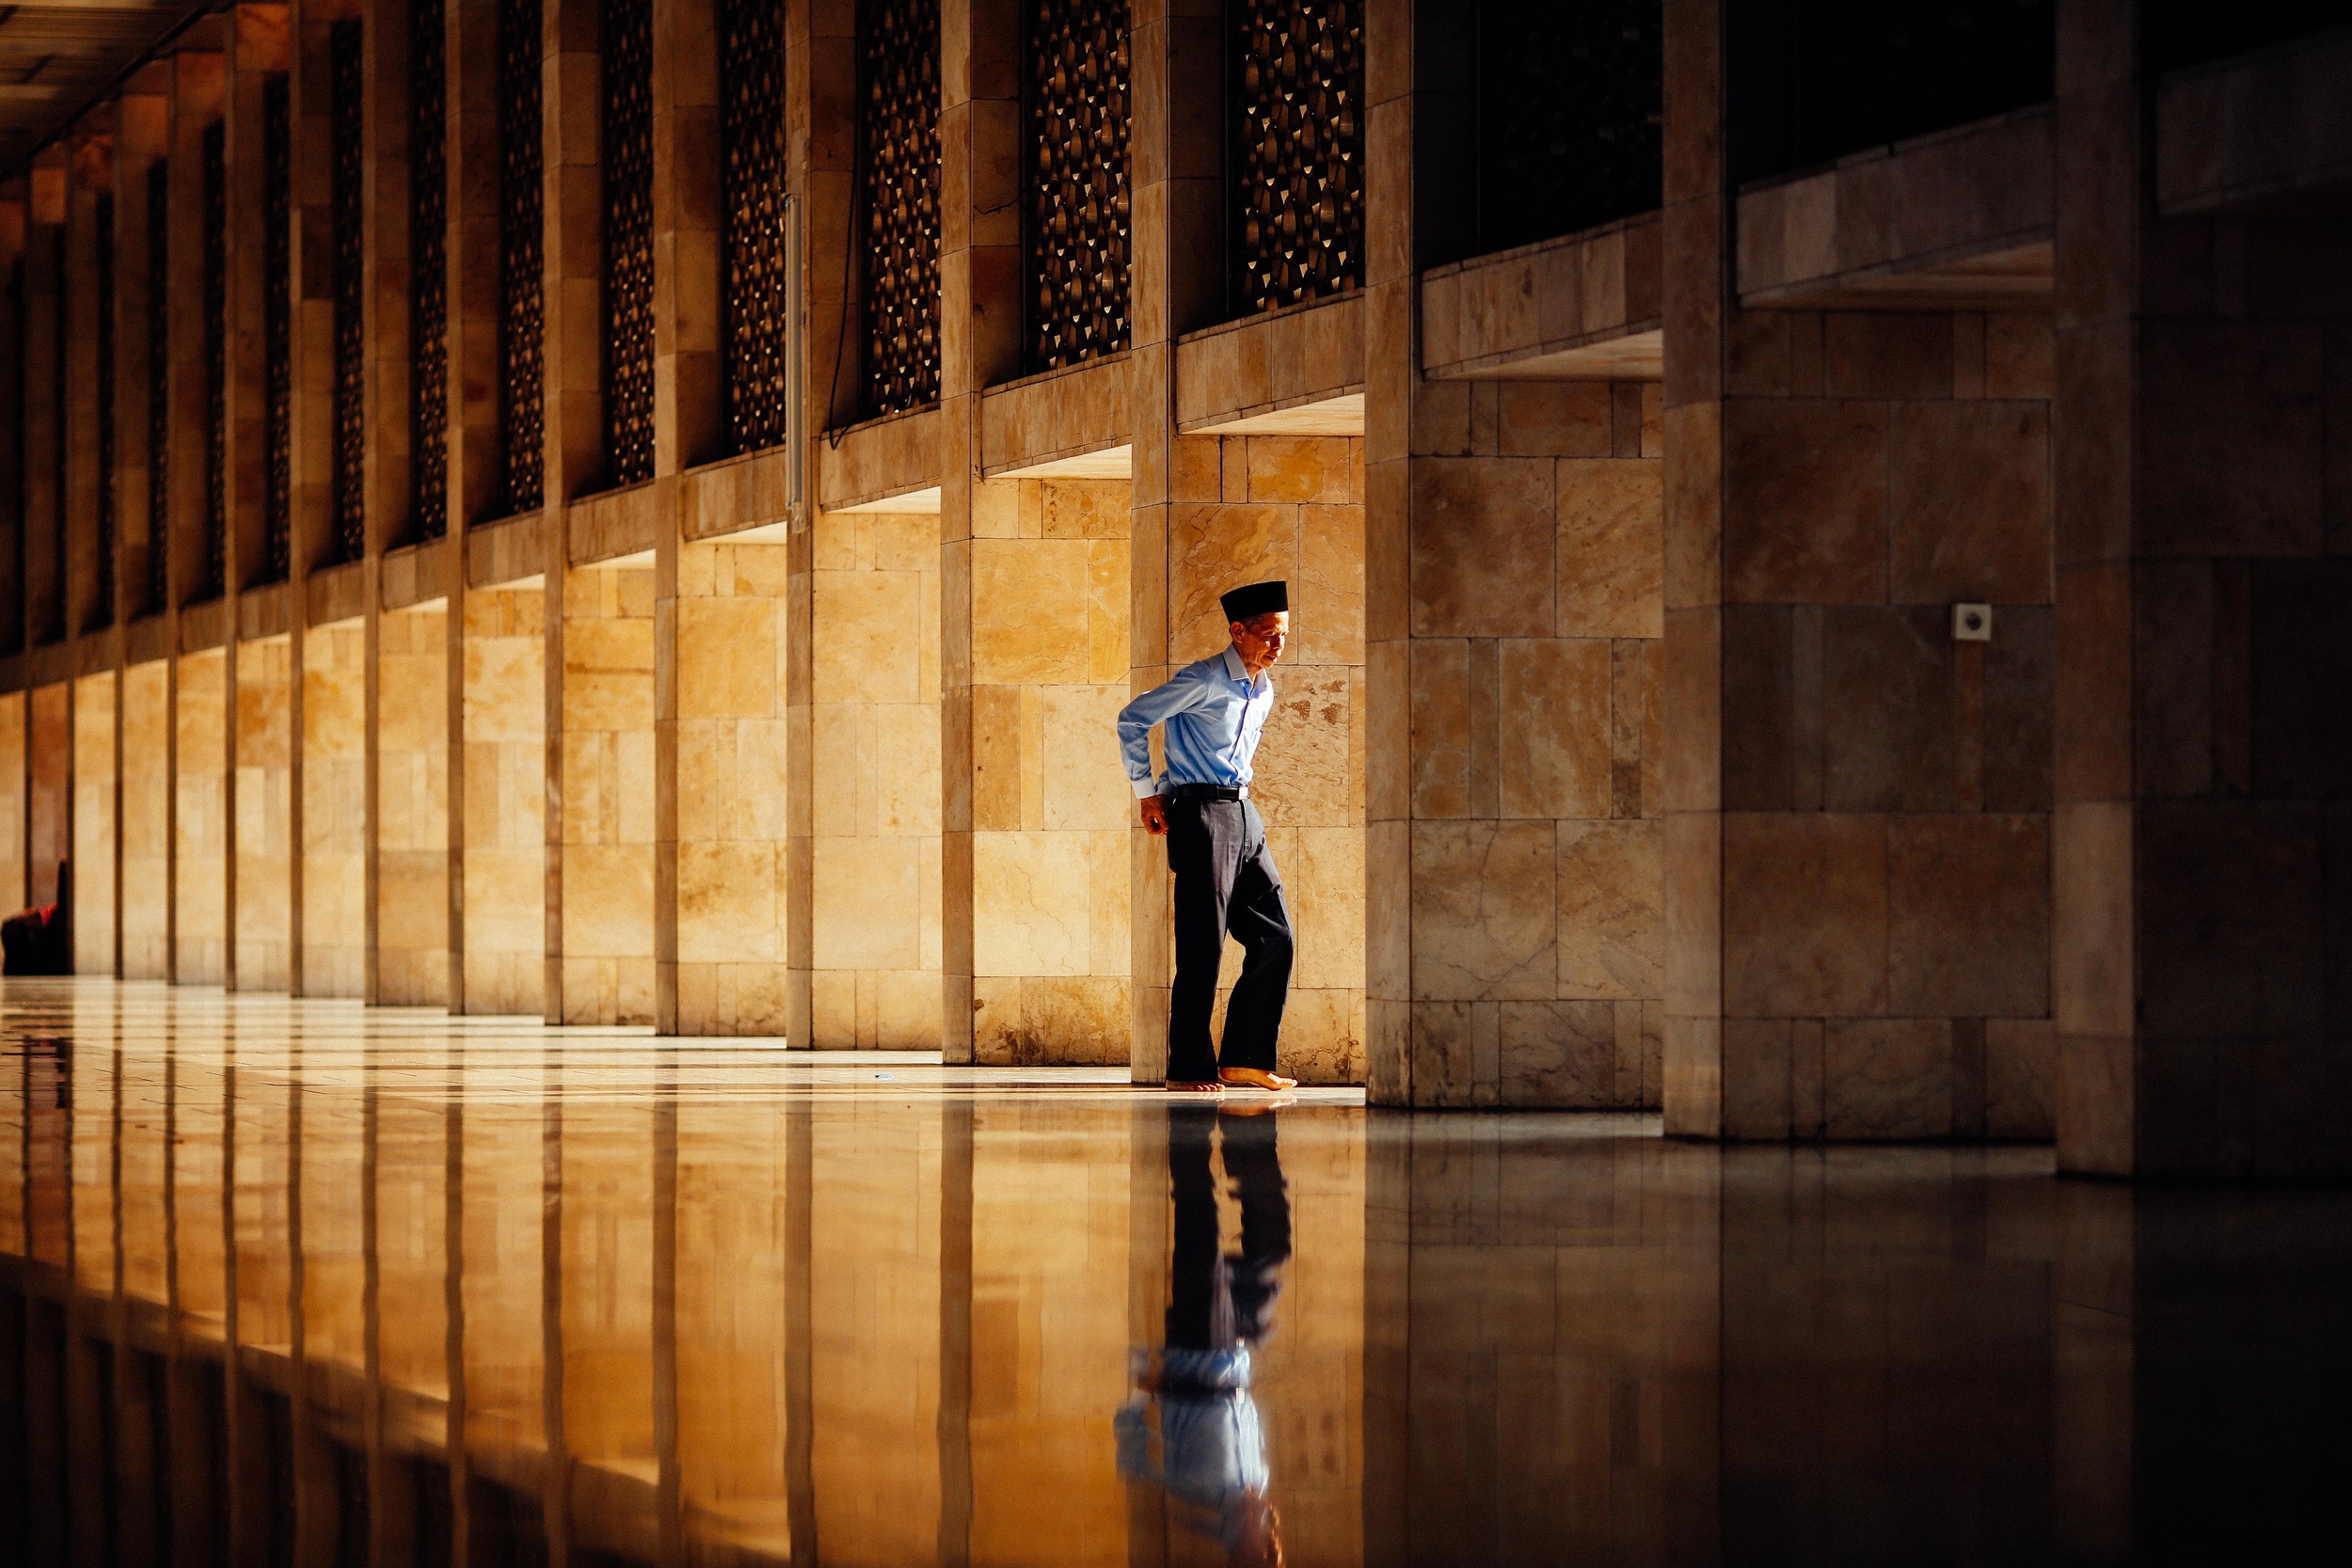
pixel 1154 816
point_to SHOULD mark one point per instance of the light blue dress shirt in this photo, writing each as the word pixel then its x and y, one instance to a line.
pixel 1213 711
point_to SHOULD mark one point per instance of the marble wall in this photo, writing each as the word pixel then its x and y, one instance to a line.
pixel 94 824
pixel 1516 741
pixel 334 810
pixel 264 814
pixel 145 820
pixel 412 807
pixel 48 778
pixel 504 781
pixel 732 907
pixel 200 807
pixel 1051 811
pixel 874 894
pixel 12 802
pixel 1247 509
pixel 607 794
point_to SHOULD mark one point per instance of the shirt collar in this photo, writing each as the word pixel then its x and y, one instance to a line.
pixel 1240 671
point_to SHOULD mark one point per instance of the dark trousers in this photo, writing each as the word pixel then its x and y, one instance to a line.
pixel 1225 882
pixel 1216 1300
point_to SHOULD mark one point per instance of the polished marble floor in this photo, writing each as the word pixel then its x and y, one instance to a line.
pixel 502 1294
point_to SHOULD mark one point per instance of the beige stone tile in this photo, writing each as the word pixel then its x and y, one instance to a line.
pixel 1483 907
pixel 1482 540
pixel 1032 907
pixel 727 658
pixel 2020 1078
pixel 1082 509
pixel 1439 726
pixel 1556 1053
pixel 905 1008
pixel 1554 418
pixel 1968 900
pixel 1322 1037
pixel 1804 914
pixel 834 1009
pixel 608 900
pixel 1213 550
pixel 1887 1078
pixel 730 906
pixel 1296 469
pixel 1327 597
pixel 1756 1077
pixel 1554 727
pixel 905 779
pixel 1325 885
pixel 1611 547
pixel 1302 759
pixel 610 702
pixel 1109 609
pixel 1027 599
pixel 865 904
pixel 891 542
pixel 1612 910
pixel 1083 784
pixel 866 644
pixel 1111 903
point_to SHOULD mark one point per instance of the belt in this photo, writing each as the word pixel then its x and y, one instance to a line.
pixel 1208 792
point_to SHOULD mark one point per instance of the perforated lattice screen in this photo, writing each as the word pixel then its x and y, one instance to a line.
pixel 521 315
pixel 278 324
pixel 1297 140
pixel 106 529
pixel 899 201
pixel 351 429
pixel 1570 106
pixel 756 293
pixel 1079 218
pixel 158 384
pixel 428 278
pixel 216 577
pixel 628 240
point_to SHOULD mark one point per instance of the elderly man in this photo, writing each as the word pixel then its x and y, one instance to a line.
pixel 1225 876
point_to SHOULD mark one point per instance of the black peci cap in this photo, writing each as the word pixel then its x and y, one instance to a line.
pixel 1257 598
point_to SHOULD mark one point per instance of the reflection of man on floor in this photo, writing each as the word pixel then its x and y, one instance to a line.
pixel 1209 717
pixel 1213 1460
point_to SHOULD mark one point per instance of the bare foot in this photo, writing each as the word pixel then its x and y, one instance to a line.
pixel 1177 1085
pixel 1256 1078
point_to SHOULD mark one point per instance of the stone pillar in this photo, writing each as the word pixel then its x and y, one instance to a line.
pixel 2201 600
pixel 199 88
pixel 44 494
pixel 200 809
pixel 821 63
pixel 1176 177
pixel 13 602
pixel 725 601
pixel 95 921
pixel 980 313
pixel 268 853
pixel 573 346
pixel 1856 847
pixel 143 131
pixel 1511 607
pixel 91 150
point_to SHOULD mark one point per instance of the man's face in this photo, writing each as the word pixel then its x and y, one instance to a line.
pixel 1261 637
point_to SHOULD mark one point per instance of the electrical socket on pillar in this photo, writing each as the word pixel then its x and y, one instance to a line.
pixel 1972 623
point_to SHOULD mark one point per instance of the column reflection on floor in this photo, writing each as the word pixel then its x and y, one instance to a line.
pixel 296 1282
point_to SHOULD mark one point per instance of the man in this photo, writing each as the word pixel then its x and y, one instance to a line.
pixel 1213 1452
pixel 1225 876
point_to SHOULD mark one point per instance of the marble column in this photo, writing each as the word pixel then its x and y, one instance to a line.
pixel 1856 854
pixel 2200 842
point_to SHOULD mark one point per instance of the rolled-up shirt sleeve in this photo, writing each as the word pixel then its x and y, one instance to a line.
pixel 1136 719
